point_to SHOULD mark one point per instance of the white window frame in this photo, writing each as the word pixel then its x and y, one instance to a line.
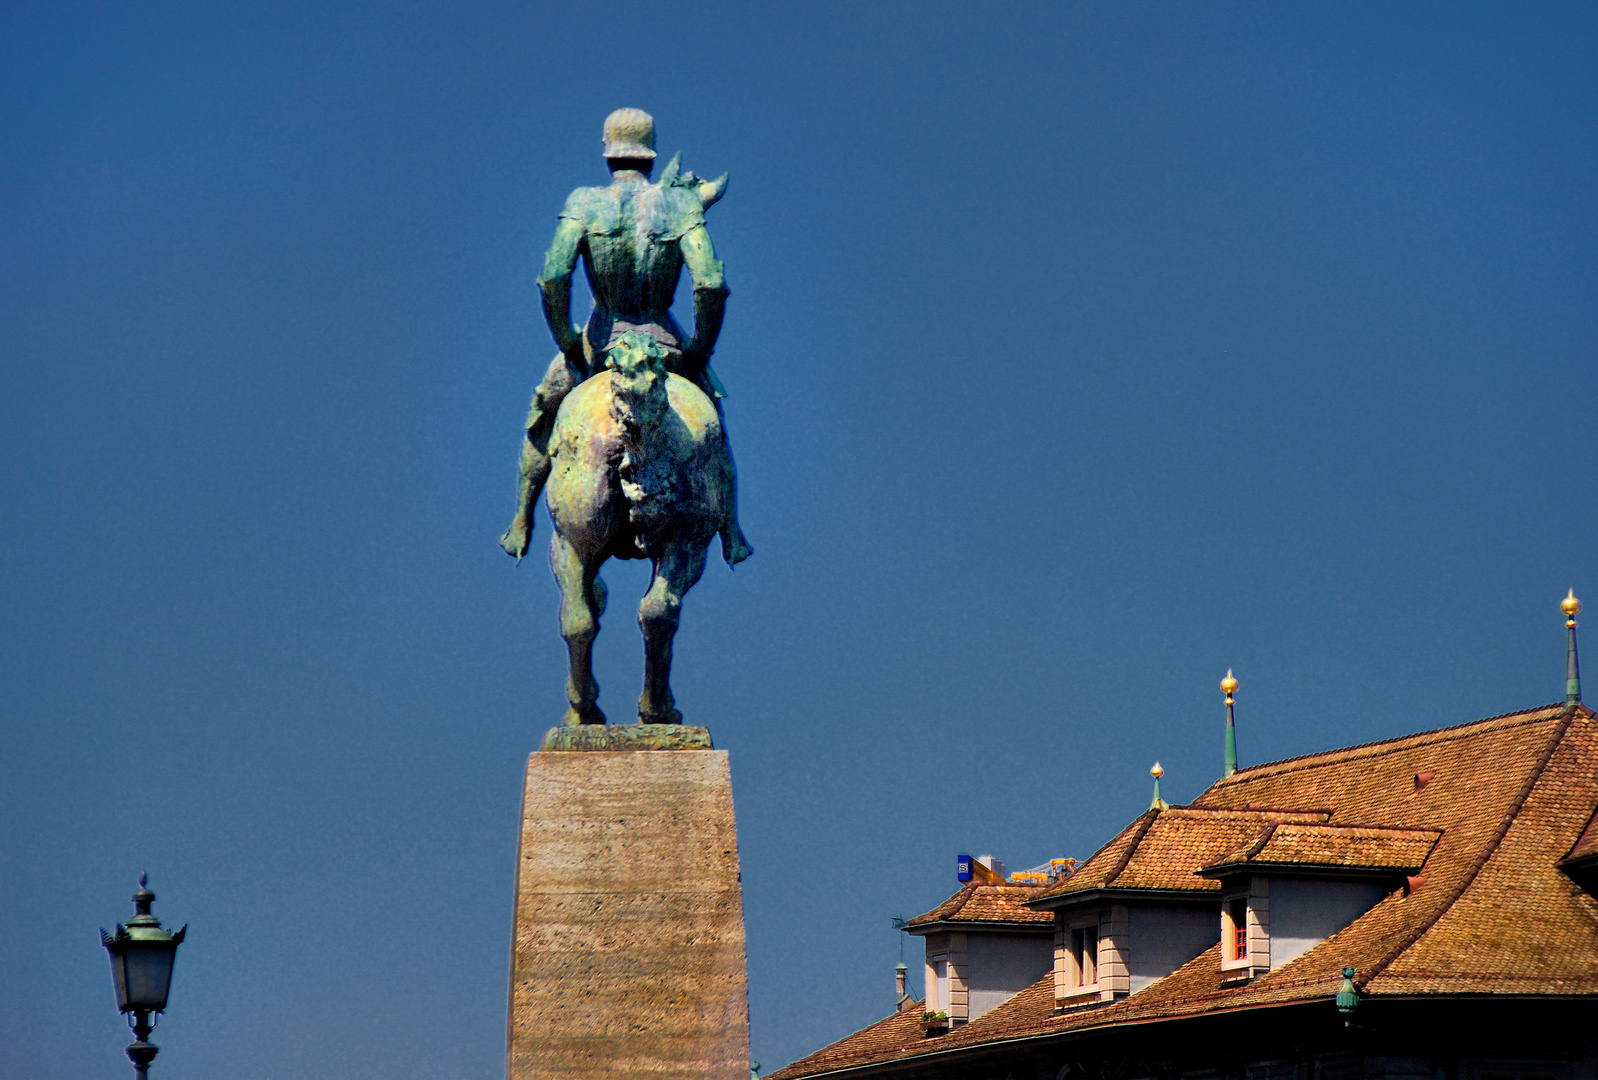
pixel 1077 986
pixel 1230 961
pixel 937 996
pixel 1255 894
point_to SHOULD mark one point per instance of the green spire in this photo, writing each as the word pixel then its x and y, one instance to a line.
pixel 1229 687
pixel 1158 803
pixel 1571 607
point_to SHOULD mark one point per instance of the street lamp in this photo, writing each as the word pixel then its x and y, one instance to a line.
pixel 141 969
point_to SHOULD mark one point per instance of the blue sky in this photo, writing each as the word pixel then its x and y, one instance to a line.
pixel 1077 353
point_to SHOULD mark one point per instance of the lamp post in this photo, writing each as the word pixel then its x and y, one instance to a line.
pixel 141 969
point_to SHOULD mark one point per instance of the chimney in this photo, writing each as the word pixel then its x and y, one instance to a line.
pixel 898 979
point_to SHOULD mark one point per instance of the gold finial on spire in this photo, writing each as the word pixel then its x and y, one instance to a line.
pixel 1157 771
pixel 1570 606
pixel 1229 763
pixel 1158 803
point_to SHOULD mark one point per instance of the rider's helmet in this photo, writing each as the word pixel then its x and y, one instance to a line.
pixel 629 133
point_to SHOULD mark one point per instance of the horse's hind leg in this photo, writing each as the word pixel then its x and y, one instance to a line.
pixel 676 572
pixel 582 602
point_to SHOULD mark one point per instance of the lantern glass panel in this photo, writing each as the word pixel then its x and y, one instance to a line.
pixel 119 978
pixel 149 974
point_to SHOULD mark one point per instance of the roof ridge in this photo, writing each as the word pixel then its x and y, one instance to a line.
pixel 1246 850
pixel 1369 749
pixel 1264 838
pixel 1338 825
pixel 1480 861
pixel 1263 812
pixel 1149 817
pixel 965 894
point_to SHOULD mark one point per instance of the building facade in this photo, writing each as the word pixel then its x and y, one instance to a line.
pixel 1418 907
pixel 984 945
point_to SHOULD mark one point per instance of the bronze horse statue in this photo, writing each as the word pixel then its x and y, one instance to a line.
pixel 639 470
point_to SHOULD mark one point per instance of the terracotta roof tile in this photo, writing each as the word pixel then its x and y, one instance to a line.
pixel 1586 846
pixel 1332 846
pixel 979 903
pixel 1509 798
pixel 1162 849
pixel 888 1037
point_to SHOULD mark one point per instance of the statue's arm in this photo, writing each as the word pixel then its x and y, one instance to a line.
pixel 555 282
pixel 710 293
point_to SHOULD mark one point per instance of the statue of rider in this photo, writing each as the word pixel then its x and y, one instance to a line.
pixel 634 237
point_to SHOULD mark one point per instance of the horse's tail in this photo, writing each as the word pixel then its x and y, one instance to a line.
pixel 638 404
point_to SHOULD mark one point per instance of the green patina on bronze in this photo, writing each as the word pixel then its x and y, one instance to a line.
pixel 626 737
pixel 625 434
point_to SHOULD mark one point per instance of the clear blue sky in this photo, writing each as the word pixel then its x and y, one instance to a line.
pixel 1076 354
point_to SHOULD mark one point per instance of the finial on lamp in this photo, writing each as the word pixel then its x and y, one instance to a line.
pixel 1158 803
pixel 1571 607
pixel 1229 687
pixel 1348 998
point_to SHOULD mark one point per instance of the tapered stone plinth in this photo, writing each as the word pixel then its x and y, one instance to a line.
pixel 628 956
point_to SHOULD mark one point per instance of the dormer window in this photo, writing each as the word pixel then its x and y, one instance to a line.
pixel 1245 929
pixel 1136 912
pixel 1236 928
pixel 1297 883
pixel 1582 862
pixel 1085 953
pixel 984 946
pixel 1088 956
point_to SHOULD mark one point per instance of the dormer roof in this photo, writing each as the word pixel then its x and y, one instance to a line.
pixel 1319 848
pixel 983 906
pixel 1585 850
pixel 1160 850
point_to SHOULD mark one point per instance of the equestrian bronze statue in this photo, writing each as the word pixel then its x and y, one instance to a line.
pixel 625 435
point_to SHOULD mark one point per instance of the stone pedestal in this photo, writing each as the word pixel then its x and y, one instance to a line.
pixel 628 955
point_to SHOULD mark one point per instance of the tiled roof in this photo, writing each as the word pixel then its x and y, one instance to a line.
pixel 1332 846
pixel 1489 912
pixel 978 903
pixel 887 1038
pixel 1586 846
pixel 1162 849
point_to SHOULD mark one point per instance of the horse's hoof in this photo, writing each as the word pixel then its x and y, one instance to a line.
pixel 576 717
pixel 736 550
pixel 670 716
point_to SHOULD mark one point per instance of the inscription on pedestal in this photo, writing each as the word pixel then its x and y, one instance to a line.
pixel 628 956
pixel 626 737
